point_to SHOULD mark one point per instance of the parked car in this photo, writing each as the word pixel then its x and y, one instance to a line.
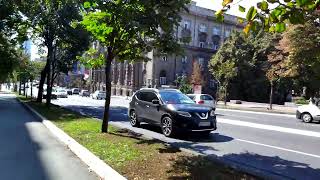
pixel 53 94
pixel 84 93
pixel 309 113
pixel 171 110
pixel 99 95
pixel 69 91
pixel 62 93
pixel 75 91
pixel 204 99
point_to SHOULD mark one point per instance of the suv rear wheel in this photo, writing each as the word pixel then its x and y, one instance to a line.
pixel 134 119
pixel 167 126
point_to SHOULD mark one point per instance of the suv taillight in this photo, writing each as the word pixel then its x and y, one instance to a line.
pixel 201 102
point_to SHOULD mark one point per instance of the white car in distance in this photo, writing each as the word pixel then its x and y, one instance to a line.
pixel 99 95
pixel 62 93
pixel 203 99
pixel 309 113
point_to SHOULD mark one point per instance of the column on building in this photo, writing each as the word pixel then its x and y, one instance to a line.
pixel 118 89
pixel 132 82
pixel 113 77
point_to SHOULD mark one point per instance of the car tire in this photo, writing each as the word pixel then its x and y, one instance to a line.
pixel 205 133
pixel 134 119
pixel 167 126
pixel 306 117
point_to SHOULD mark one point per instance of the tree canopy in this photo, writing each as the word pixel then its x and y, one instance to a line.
pixel 273 15
pixel 128 30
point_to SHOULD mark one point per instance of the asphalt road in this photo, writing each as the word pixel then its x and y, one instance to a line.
pixel 278 146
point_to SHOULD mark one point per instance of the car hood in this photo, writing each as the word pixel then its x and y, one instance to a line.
pixel 188 107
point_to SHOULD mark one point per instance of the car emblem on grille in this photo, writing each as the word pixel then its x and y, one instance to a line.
pixel 203 114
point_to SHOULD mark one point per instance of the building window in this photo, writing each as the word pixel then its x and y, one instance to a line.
pixel 164 58
pixel 184 59
pixel 201 62
pixel 227 32
pixel 216 30
pixel 203 28
pixel 163 80
pixel 186 24
pixel 212 83
pixel 201 44
pixel 163 77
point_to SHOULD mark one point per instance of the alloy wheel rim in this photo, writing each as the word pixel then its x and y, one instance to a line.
pixel 306 118
pixel 133 118
pixel 167 126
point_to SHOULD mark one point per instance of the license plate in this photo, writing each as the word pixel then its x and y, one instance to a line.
pixel 204 124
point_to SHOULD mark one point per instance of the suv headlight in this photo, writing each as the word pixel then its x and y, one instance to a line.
pixel 185 114
pixel 212 113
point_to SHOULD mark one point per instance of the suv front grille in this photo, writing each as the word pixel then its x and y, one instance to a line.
pixel 202 115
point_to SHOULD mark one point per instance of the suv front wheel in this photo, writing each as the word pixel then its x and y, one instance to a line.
pixel 134 119
pixel 167 126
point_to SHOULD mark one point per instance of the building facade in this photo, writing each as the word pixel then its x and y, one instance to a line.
pixel 199 34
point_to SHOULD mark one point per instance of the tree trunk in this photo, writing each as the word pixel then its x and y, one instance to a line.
pixel 225 95
pixel 24 87
pixel 25 90
pixel 20 87
pixel 49 87
pixel 108 60
pixel 31 86
pixel 271 95
pixel 42 80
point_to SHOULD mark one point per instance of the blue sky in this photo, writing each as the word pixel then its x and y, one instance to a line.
pixel 216 5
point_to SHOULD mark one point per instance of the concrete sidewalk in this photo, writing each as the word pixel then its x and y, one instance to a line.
pixel 259 107
pixel 28 151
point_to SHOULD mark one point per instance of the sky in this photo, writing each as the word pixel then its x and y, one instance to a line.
pixel 216 5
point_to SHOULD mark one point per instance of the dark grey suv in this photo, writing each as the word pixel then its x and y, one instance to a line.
pixel 171 110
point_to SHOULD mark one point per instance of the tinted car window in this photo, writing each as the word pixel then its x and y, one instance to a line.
pixel 147 96
pixel 170 97
pixel 151 96
pixel 206 98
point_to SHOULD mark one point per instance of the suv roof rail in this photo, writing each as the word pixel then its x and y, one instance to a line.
pixel 149 89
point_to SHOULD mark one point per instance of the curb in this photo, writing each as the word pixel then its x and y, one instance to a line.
pixel 95 164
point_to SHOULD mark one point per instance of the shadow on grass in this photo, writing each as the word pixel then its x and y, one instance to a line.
pixel 268 167
pixel 199 167
pixel 54 112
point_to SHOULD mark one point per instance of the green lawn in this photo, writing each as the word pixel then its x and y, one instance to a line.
pixel 130 154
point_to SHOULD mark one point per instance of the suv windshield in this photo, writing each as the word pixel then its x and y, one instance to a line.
pixel 170 97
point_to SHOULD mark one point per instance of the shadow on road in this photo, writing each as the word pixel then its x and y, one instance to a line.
pixel 274 165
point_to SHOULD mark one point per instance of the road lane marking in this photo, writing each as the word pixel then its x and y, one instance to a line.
pixel 270 127
pixel 253 112
pixel 280 148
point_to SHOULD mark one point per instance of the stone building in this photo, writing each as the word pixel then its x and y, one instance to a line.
pixel 200 36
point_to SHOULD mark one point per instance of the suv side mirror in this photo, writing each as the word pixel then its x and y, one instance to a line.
pixel 156 102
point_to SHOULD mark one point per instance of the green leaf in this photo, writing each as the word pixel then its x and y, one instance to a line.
pixel 86 4
pixel 240 20
pixel 242 9
pixel 226 2
pixel 280 27
pixel 263 5
pixel 271 1
pixel 250 13
pixel 302 2
pixel 219 15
